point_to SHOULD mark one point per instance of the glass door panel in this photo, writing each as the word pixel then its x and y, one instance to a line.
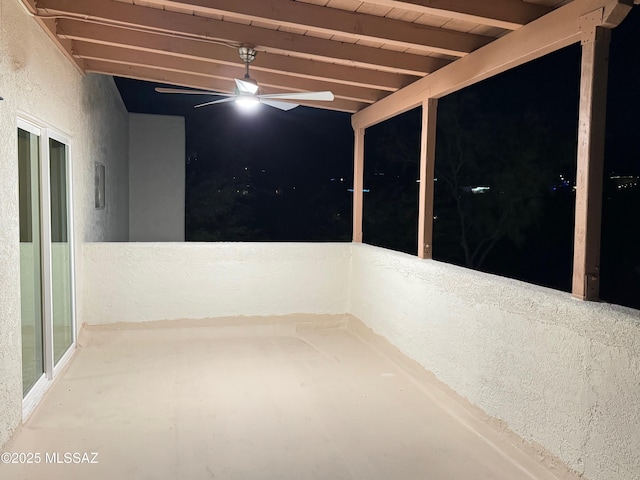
pixel 46 257
pixel 30 258
pixel 60 251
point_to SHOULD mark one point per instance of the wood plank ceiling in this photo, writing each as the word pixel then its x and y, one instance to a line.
pixel 360 50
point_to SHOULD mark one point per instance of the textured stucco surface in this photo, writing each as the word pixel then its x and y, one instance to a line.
pixel 156 178
pixel 38 81
pixel 298 397
pixel 135 282
pixel 559 372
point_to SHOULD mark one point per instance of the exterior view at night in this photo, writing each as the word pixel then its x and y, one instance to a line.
pixel 414 258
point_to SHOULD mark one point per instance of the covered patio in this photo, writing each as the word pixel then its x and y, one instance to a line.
pixel 291 397
pixel 380 58
pixel 302 360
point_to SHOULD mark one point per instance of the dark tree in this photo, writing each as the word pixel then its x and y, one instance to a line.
pixel 520 226
pixel 494 172
pixel 392 157
pixel 219 209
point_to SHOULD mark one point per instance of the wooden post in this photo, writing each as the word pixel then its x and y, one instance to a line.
pixel 591 132
pixel 358 183
pixel 427 165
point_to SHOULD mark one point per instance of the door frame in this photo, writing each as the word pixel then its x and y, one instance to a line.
pixel 45 132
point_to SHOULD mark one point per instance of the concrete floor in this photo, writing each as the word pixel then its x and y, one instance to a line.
pixel 297 397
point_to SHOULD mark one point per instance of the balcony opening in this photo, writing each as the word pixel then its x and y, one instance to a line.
pixel 505 173
pixel 391 176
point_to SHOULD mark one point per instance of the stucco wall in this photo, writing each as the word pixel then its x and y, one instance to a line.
pixel 156 178
pixel 137 282
pixel 561 373
pixel 38 80
pixel 103 137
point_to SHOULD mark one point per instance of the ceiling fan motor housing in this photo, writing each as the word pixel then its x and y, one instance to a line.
pixel 247 54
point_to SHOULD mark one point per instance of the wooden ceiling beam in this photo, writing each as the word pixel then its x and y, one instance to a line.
pixel 49 26
pixel 507 14
pixel 265 39
pixel 30 5
pixel 125 56
pixel 558 29
pixel 151 74
pixel 334 21
pixel 212 52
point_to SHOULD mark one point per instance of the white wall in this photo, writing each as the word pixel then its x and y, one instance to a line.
pixel 136 282
pixel 560 372
pixel 38 80
pixel 156 178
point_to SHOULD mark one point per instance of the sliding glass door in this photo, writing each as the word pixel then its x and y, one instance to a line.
pixel 46 256
pixel 30 259
pixel 60 250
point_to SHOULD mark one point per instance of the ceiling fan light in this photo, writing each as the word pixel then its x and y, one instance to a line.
pixel 247 102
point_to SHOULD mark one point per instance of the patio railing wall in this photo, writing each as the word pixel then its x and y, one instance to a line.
pixel 561 373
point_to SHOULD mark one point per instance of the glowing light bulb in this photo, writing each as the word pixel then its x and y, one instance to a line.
pixel 247 102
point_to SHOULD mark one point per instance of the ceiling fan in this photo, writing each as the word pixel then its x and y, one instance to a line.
pixel 247 92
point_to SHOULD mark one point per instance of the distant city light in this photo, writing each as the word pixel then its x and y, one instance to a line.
pixel 625 181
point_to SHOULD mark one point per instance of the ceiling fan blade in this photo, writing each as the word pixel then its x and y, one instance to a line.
pixel 246 87
pixel 322 96
pixel 190 92
pixel 285 106
pixel 230 98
